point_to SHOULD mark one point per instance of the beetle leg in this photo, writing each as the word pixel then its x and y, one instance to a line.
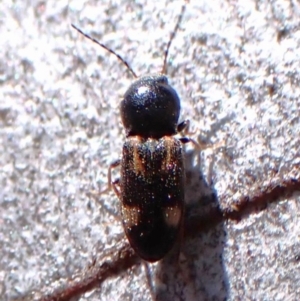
pixel 110 183
pixel 114 185
pixel 202 146
pixel 111 167
pixel 183 126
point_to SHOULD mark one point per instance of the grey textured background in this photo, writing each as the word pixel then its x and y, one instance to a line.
pixel 60 129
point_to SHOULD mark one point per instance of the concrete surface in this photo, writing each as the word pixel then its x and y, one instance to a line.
pixel 235 65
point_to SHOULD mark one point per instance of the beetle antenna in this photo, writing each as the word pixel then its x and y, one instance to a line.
pixel 164 69
pixel 106 48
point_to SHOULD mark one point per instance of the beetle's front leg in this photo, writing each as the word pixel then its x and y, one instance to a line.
pixel 113 184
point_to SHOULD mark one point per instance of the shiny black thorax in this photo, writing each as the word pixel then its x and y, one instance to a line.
pixel 150 108
pixel 152 170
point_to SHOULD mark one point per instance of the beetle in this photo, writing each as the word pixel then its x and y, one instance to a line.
pixel 152 169
pixel 151 185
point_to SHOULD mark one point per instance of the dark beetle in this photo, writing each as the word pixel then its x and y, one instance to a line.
pixel 151 187
pixel 152 171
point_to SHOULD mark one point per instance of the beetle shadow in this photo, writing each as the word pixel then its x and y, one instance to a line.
pixel 196 272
